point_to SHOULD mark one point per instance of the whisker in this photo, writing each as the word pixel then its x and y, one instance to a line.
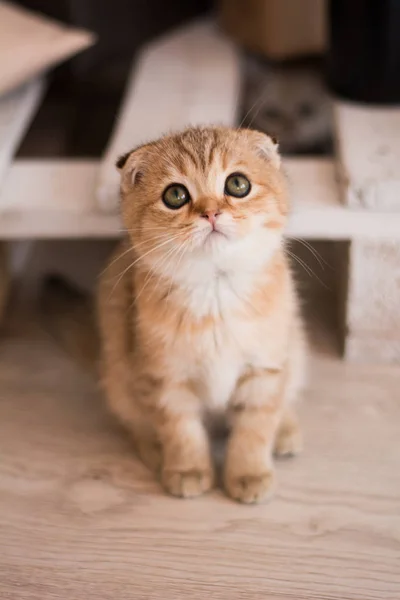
pixel 169 257
pixel 130 266
pixel 256 113
pixel 317 255
pixel 132 248
pixel 152 269
pixel 129 249
pixel 307 268
pixel 184 247
pixel 252 107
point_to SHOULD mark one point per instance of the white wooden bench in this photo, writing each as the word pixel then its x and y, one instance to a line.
pixel 16 112
pixel 192 77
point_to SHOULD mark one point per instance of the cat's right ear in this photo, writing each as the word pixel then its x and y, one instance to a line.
pixel 129 166
pixel 122 160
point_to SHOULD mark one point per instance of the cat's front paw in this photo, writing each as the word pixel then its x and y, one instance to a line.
pixel 250 488
pixel 189 483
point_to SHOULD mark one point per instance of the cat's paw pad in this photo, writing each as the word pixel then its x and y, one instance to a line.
pixel 188 484
pixel 251 489
pixel 288 443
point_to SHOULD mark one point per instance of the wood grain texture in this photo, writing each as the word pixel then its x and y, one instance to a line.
pixel 368 153
pixel 81 518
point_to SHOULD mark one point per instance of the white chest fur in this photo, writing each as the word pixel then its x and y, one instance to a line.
pixel 219 291
pixel 214 357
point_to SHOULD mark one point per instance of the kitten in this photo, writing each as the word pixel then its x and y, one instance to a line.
pixel 289 102
pixel 198 312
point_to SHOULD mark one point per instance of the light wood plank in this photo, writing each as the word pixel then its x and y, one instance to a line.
pixel 81 518
pixel 16 111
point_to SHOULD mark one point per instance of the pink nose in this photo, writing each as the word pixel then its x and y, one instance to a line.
pixel 211 216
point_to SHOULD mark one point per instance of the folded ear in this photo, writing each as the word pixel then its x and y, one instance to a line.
pixel 122 160
pixel 268 148
pixel 129 166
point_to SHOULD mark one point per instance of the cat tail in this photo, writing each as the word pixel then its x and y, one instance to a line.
pixel 68 316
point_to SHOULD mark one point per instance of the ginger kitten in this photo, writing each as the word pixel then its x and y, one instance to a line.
pixel 198 312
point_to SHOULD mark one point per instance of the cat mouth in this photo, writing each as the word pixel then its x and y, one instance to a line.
pixel 214 233
pixel 214 236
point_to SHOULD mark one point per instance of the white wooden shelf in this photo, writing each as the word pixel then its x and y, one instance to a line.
pixel 55 199
pixel 317 209
pixel 368 147
pixel 16 112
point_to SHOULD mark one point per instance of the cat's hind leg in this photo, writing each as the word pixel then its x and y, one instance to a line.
pixel 120 400
pixel 148 448
pixel 289 439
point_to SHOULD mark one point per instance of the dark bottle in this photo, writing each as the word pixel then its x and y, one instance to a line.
pixel 364 50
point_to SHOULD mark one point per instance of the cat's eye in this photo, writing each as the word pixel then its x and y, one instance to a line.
pixel 175 196
pixel 237 185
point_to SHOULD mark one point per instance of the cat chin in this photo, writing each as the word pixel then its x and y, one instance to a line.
pixel 215 240
pixel 221 246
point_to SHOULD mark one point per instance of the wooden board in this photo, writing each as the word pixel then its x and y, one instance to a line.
pixel 52 199
pixel 16 111
pixel 81 518
pixel 368 146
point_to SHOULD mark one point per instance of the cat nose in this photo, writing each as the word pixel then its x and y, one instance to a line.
pixel 211 216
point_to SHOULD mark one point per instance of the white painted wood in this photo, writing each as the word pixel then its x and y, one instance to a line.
pixel 373 300
pixel 59 185
pixel 188 77
pixel 16 111
pixel 368 142
pixel 56 199
pixel 52 199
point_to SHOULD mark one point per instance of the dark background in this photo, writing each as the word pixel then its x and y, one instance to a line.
pixel 84 94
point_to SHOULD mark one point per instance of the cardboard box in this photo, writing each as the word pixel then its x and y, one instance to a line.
pixel 277 29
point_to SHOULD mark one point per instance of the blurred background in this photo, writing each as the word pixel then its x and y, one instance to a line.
pixel 321 76
pixel 283 46
pixel 294 52
pixel 80 108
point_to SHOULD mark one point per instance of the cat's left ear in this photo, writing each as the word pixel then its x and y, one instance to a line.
pixel 268 148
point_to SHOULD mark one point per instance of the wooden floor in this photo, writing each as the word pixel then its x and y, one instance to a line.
pixel 81 518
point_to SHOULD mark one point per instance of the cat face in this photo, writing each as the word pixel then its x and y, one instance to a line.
pixel 204 193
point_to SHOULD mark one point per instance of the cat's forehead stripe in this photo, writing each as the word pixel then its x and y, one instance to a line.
pixel 186 152
pixel 199 147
